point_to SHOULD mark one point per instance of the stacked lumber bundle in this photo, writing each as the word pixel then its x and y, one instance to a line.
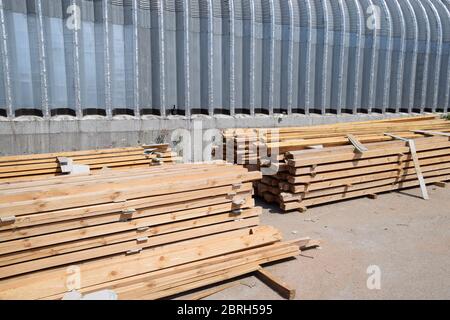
pixel 301 167
pixel 38 166
pixel 146 234
pixel 331 174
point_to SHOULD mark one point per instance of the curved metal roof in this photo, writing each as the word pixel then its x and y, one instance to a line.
pixel 249 53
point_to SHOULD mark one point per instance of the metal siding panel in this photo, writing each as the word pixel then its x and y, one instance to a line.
pixel 398 57
pixel 20 61
pixel 412 45
pixel 5 69
pixel 446 59
pixel 433 84
pixel 423 57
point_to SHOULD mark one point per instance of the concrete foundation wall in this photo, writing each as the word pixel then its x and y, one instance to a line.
pixel 42 136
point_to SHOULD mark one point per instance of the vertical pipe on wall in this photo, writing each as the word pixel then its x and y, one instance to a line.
pixel 437 67
pixel 136 86
pixel 415 50
pixel 290 57
pixel 309 83
pixel 107 59
pixel 389 48
pixel 423 94
pixel 76 65
pixel 162 67
pixel 271 56
pixel 447 87
pixel 210 58
pixel 343 59
pixel 402 49
pixel 357 94
pixel 252 58
pixel 444 17
pixel 374 66
pixel 187 87
pixel 5 61
pixel 232 59
pixel 42 60
pixel 327 58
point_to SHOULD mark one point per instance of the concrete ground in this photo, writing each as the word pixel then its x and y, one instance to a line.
pixel 406 237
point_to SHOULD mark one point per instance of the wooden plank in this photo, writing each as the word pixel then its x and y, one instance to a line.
pixel 116 183
pixel 366 162
pixel 305 243
pixel 32 167
pixel 404 166
pixel 419 174
pixel 93 163
pixel 388 150
pixel 111 212
pixel 342 132
pixel 432 133
pixel 343 189
pixel 122 194
pixel 88 232
pixel 353 178
pixel 276 284
pixel 229 274
pixel 356 143
pixel 261 255
pixel 109 175
pixel 119 178
pixel 254 131
pixel 120 248
pixel 298 144
pixel 173 286
pixel 209 292
pixel 339 134
pixel 52 282
pixel 440 184
pixel 413 151
pixel 337 197
pixel 385 145
pixel 67 154
pixel 130 236
pixel 79 158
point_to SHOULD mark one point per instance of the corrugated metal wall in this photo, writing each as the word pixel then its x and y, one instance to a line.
pixel 159 57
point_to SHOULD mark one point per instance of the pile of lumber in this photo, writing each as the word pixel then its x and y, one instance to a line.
pixel 42 166
pixel 301 167
pixel 145 234
pixel 326 175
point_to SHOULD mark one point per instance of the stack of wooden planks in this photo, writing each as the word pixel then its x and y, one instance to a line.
pixel 146 234
pixel 305 169
pixel 321 176
pixel 42 166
